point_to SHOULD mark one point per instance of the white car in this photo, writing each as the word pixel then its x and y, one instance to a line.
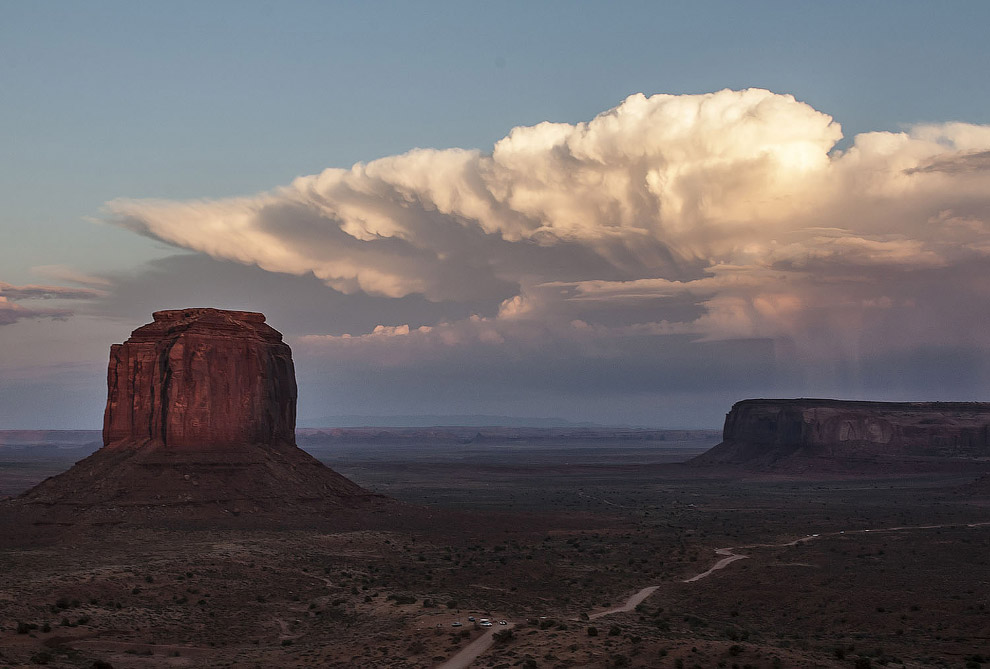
pixel 485 622
pixel 456 623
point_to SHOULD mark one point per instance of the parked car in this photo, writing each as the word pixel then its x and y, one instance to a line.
pixel 456 623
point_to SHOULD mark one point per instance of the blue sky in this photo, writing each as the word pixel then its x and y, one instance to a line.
pixel 147 101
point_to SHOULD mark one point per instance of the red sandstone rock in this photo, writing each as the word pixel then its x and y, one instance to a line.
pixel 806 433
pixel 201 378
pixel 199 424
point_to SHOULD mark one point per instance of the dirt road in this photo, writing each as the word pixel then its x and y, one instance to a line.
pixel 630 604
pixel 470 653
pixel 729 558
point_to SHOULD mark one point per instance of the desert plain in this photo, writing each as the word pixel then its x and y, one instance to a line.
pixel 543 529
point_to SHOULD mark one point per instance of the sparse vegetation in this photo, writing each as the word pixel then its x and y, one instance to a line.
pixel 381 594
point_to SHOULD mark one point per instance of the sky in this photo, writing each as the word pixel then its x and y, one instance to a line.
pixel 628 213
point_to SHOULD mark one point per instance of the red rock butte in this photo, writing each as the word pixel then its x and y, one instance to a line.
pixel 201 379
pixel 199 424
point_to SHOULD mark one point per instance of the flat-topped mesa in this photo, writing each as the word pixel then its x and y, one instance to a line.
pixel 202 379
pixel 765 431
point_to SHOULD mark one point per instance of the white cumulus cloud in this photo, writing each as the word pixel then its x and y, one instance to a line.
pixel 724 215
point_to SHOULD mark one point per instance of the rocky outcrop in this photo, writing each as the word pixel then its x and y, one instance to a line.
pixel 199 422
pixel 805 431
pixel 201 378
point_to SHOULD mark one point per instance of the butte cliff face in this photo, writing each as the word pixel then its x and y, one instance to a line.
pixel 201 378
pixel 814 433
pixel 199 423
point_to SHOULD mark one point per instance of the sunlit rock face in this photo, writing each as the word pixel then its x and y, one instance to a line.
pixel 201 378
pixel 787 431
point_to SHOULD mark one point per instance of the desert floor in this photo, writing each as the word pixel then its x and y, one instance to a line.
pixel 836 573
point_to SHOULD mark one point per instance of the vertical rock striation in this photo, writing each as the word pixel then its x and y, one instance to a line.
pixel 201 378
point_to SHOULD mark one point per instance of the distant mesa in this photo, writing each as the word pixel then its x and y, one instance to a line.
pixel 199 422
pixel 807 435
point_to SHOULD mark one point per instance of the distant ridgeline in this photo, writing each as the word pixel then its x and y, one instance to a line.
pixel 764 432
pixel 311 437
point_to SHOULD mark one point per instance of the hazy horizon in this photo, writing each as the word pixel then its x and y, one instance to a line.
pixel 427 421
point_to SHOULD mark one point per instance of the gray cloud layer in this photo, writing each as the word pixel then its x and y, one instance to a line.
pixel 10 312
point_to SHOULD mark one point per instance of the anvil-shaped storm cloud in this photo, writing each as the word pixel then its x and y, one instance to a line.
pixel 724 216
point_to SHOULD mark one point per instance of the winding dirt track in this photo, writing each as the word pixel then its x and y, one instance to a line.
pixel 729 558
pixel 630 604
pixel 472 651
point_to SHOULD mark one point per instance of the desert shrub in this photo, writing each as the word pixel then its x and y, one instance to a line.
pixel 42 657
pixel 592 631
pixel 862 663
